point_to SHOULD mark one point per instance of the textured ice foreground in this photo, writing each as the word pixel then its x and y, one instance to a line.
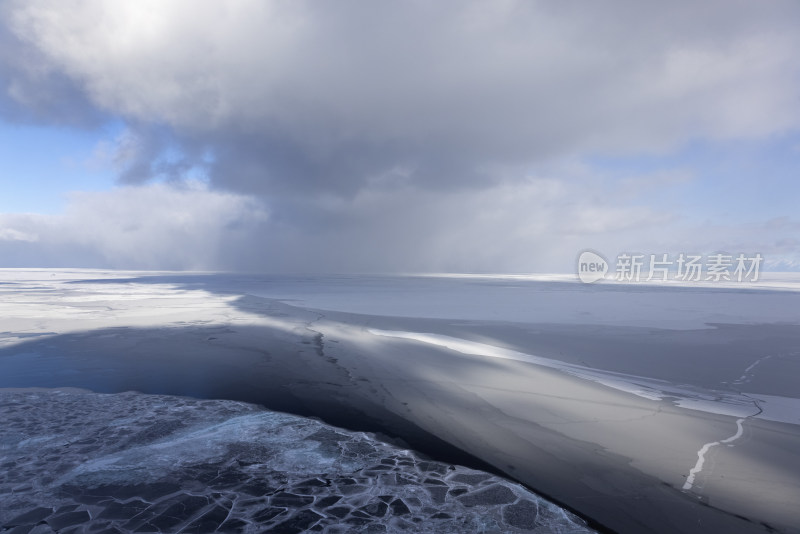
pixel 646 408
pixel 73 461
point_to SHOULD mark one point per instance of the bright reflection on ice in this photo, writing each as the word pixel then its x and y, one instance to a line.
pixel 784 409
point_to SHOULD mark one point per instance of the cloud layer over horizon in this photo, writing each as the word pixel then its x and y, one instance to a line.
pixel 404 136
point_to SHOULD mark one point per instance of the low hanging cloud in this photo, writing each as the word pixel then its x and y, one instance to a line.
pixel 353 119
pixel 536 224
pixel 156 226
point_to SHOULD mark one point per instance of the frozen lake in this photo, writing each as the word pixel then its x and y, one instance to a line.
pixel 641 407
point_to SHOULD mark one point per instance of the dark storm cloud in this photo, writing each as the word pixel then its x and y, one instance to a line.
pixel 409 135
pixel 328 96
pixel 35 92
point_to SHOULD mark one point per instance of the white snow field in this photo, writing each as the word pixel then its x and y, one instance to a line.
pixel 644 408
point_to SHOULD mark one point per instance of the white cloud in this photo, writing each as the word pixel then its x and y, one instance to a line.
pixel 147 227
pixel 12 234
pixel 399 135
pixel 510 79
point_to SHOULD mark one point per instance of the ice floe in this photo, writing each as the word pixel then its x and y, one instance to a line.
pixel 76 461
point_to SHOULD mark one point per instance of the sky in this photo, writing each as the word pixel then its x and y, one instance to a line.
pixel 360 136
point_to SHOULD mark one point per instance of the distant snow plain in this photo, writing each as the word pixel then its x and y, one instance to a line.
pixel 644 407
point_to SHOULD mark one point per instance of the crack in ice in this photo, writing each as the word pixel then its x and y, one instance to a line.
pixel 747 375
pixel 720 402
pixel 701 454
